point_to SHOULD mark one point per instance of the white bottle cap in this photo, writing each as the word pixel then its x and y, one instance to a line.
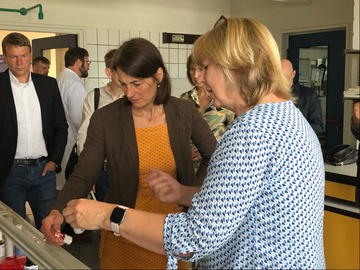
pixel 78 230
pixel 67 239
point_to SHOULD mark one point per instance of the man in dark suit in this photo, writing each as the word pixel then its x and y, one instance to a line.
pixel 308 101
pixel 33 132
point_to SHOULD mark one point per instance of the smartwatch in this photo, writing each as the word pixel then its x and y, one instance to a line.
pixel 116 218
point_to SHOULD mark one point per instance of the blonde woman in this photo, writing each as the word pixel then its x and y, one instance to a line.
pixel 262 202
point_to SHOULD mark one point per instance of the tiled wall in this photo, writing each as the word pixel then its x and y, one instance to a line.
pixel 100 41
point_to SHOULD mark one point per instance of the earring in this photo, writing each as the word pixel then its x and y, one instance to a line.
pixel 158 85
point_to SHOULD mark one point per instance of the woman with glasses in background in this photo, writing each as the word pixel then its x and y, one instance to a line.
pixel 261 205
pixel 218 119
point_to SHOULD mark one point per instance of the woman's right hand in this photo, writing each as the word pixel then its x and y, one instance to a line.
pixel 195 155
pixel 50 225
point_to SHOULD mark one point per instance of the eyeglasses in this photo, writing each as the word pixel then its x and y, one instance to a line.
pixel 192 70
pixel 220 21
pixel 88 62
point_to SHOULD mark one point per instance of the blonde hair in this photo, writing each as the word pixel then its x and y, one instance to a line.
pixel 249 56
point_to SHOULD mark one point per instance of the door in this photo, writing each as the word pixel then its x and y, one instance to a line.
pixel 54 49
pixel 320 63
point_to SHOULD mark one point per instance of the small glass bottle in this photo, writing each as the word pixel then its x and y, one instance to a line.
pixel 29 265
pixel 67 238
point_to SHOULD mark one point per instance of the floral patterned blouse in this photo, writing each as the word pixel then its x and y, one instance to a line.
pixel 217 118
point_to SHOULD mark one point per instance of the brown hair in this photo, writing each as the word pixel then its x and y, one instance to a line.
pixel 42 59
pixel 15 39
pixel 73 54
pixel 249 56
pixel 109 58
pixel 139 58
pixel 189 62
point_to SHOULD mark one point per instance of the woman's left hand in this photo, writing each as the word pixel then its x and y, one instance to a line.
pixel 88 214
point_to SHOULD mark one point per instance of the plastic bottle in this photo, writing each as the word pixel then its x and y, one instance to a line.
pixel 29 265
pixel 67 239
pixel 78 230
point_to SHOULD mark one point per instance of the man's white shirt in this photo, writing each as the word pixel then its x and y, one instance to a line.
pixel 30 141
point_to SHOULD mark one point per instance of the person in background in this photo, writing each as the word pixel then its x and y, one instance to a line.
pixel 33 132
pixel 107 94
pixel 41 65
pixel 73 93
pixel 261 204
pixel 218 119
pixel 307 100
pixel 355 129
pixel 147 128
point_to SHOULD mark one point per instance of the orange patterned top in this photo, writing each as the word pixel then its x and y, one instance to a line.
pixel 154 152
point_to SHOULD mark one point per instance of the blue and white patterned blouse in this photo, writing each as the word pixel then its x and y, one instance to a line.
pixel 262 202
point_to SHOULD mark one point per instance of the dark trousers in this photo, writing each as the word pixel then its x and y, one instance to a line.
pixel 25 183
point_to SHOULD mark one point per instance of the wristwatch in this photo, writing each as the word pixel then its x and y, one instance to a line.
pixel 116 218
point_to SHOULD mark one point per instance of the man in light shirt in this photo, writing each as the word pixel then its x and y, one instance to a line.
pixel 73 93
pixel 41 65
pixel 33 132
pixel 107 94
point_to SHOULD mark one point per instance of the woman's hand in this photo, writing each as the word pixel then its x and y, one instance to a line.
pixel 167 189
pixel 50 225
pixel 164 187
pixel 88 214
pixel 195 155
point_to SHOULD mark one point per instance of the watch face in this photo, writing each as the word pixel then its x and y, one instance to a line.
pixel 117 215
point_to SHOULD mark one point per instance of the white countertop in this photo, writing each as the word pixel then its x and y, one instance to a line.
pixel 349 170
pixel 350 208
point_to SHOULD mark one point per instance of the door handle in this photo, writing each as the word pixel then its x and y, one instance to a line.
pixel 337 121
pixel 333 120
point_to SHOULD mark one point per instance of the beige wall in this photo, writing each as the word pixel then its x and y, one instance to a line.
pixel 282 17
pixel 102 25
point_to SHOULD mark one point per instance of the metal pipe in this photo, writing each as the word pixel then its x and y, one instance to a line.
pixel 23 11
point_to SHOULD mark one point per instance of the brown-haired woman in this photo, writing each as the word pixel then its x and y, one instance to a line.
pixel 262 202
pixel 147 128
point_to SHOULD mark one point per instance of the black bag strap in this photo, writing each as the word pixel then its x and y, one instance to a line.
pixel 97 98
